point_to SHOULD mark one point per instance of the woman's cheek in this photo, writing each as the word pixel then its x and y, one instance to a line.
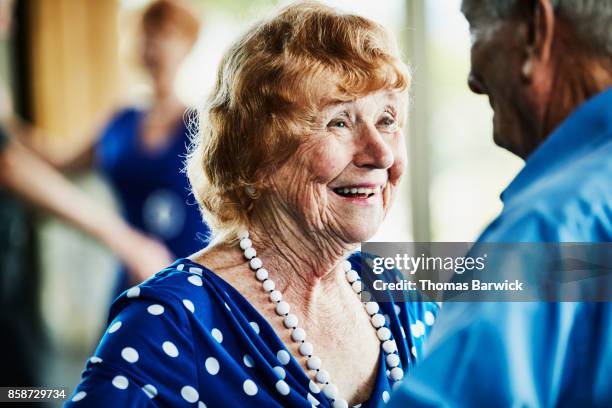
pixel 400 160
pixel 327 160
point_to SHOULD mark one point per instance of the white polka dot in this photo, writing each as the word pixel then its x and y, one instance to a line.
pixel 315 402
pixel 283 357
pixel 120 382
pixel 129 354
pixel 201 405
pixel 397 309
pixel 114 327
pixel 155 309
pixel 95 360
pixel 195 280
pixel 216 333
pixel 133 292
pixel 420 327
pixel 429 318
pixel 79 396
pixel 189 305
pixel 249 387
pixel 314 388
pixel 189 393
pixel 413 351
pixel 282 387
pixel 385 396
pixel 280 372
pixel 149 390
pixel 248 360
pixel 212 365
pixel 255 327
pixel 197 271
pixel 170 349
pixel 180 267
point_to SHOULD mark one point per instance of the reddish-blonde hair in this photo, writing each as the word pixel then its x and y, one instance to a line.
pixel 270 85
pixel 171 16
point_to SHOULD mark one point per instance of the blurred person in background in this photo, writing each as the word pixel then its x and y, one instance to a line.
pixel 141 152
pixel 298 160
pixel 546 66
pixel 26 177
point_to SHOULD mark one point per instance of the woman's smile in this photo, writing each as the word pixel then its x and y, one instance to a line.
pixel 360 194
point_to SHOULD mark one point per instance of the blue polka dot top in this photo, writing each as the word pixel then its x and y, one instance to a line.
pixel 186 338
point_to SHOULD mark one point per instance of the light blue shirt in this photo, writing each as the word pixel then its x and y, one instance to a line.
pixel 533 354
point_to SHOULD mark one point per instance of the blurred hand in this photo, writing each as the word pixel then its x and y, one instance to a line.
pixel 6 105
pixel 142 255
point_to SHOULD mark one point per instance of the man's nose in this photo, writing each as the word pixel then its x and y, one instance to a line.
pixel 475 84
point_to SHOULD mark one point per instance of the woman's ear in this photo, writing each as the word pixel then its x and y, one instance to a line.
pixel 540 36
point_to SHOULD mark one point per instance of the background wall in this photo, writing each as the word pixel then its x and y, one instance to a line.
pixel 74 63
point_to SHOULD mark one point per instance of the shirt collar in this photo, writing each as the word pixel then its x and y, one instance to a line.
pixel 586 129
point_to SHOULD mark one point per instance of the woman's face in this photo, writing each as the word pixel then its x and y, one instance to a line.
pixel 342 179
pixel 163 52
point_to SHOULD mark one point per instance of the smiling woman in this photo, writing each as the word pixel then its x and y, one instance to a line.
pixel 297 161
pixel 271 88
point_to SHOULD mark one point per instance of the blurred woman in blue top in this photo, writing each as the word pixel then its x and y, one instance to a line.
pixel 141 152
pixel 298 160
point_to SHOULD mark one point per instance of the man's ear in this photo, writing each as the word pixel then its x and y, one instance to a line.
pixel 540 19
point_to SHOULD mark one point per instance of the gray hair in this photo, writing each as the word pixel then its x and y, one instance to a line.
pixel 592 19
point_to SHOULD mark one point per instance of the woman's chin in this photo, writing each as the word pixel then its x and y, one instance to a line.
pixel 363 231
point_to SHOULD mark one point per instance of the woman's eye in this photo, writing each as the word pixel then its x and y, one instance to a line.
pixel 338 123
pixel 387 121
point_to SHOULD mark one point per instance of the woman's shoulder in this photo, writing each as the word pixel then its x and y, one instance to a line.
pixel 116 123
pixel 125 114
pixel 157 331
pixel 180 289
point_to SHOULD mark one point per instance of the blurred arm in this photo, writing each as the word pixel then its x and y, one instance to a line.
pixel 75 154
pixel 39 184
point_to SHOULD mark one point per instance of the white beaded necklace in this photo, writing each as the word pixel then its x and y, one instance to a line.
pixel 298 334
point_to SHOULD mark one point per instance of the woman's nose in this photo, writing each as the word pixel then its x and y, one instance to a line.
pixel 373 151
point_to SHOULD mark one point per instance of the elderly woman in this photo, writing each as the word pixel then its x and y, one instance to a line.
pixel 298 159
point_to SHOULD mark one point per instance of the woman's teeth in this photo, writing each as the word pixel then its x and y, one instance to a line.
pixel 360 191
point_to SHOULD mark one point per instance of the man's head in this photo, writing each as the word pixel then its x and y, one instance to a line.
pixel 537 60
